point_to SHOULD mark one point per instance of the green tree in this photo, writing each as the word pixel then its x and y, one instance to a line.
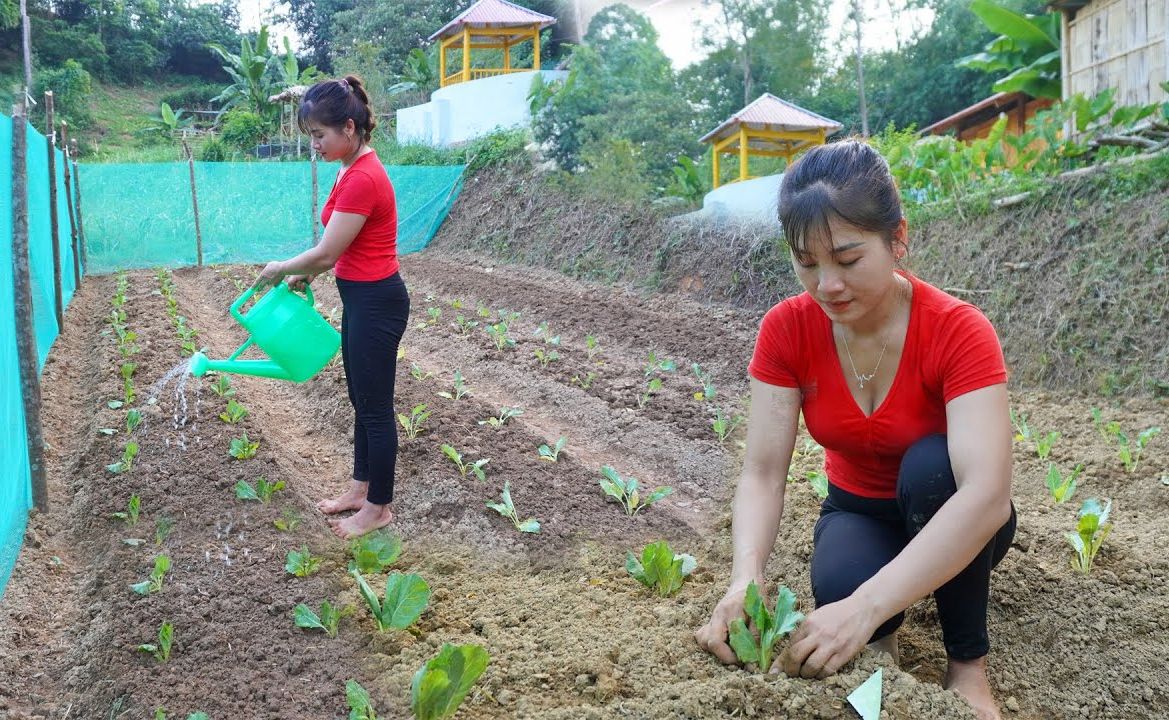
pixel 1028 48
pixel 257 73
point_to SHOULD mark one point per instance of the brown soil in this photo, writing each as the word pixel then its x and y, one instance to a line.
pixel 570 634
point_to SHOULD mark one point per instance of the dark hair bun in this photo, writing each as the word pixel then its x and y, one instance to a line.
pixel 335 102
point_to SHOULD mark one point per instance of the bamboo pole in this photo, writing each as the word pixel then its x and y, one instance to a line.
pixel 194 203
pixel 69 207
pixel 54 225
pixel 26 345
pixel 80 222
pixel 313 163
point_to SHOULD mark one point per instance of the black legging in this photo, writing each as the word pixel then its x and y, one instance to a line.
pixel 373 319
pixel 856 536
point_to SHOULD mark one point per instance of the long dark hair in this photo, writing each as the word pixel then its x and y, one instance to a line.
pixel 332 102
pixel 848 180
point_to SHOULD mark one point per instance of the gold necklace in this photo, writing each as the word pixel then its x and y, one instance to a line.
pixel 863 378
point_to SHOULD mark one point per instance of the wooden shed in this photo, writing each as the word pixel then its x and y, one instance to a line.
pixel 1119 44
pixel 977 120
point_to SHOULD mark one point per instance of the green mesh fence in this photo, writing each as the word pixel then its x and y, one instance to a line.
pixel 139 216
pixel 15 490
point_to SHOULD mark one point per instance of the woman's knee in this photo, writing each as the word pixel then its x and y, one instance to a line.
pixel 925 481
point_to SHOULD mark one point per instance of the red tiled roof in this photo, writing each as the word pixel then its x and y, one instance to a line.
pixel 770 113
pixel 494 14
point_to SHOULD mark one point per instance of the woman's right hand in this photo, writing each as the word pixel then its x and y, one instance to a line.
pixel 298 282
pixel 712 637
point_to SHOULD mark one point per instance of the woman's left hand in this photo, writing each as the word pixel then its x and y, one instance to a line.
pixel 272 274
pixel 828 638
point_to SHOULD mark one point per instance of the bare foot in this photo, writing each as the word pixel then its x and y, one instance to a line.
pixel 888 644
pixel 369 518
pixel 968 679
pixel 351 499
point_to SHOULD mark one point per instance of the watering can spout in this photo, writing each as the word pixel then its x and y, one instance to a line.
pixel 201 365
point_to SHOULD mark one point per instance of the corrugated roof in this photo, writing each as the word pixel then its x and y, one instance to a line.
pixel 494 14
pixel 770 113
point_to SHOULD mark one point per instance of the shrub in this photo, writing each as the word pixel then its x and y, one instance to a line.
pixel 243 129
pixel 193 97
pixel 71 85
pixel 214 150
pixel 134 60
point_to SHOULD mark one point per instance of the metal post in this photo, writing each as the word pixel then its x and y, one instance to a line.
pixel 54 226
pixel 26 346
pixel 80 222
pixel 69 207
pixel 194 203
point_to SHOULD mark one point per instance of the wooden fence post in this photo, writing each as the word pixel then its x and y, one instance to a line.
pixel 69 207
pixel 54 226
pixel 194 203
pixel 26 344
pixel 80 222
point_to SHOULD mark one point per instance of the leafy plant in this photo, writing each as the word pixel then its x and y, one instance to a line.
pixel 708 391
pixel 659 568
pixel 505 414
pixel 586 382
pixel 1130 455
pixel 418 373
pixel 724 425
pixel 162 529
pixel 545 356
pixel 133 420
pixel 434 313
pixel 592 346
pixel 476 467
pixel 328 619
pixel 1027 47
pixel 360 704
pixel 499 336
pixel 1044 444
pixel 463 325
pixel 552 454
pixel 263 490
pixel 222 386
pixel 288 520
pixel 130 516
pixel 161 649
pixel 374 552
pixel 482 311
pixel 461 389
pixel 771 626
pixel 1091 530
pixel 413 424
pixel 234 413
pixel 405 598
pixel 819 482
pixel 627 492
pixel 440 685
pixel 302 563
pixel 653 387
pixel 654 364
pixel 507 509
pixel 1022 429
pixel 154 582
pixel 1062 488
pixel 129 452
pixel 546 334
pixel 242 448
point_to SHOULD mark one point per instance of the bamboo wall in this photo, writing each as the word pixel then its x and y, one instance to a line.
pixel 1122 44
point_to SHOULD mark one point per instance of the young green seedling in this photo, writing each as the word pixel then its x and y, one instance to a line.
pixel 413 424
pixel 1044 444
pixel 163 527
pixel 659 568
pixel 234 413
pixel 434 313
pixel 463 325
pixel 592 347
pixel 461 389
pixel 288 521
pixel 360 704
pixel 507 317
pixel 654 364
pixel 418 373
pixel 263 490
pixel 222 386
pixel 154 582
pixel 819 482
pixel 586 382
pixel 328 619
pixel 133 420
pixel 475 468
pixel 626 491
pixel 652 387
pixel 724 425
pixel 301 563
pixel 505 414
pixel 1062 488
pixel 707 392
pixel 242 448
pixel 552 454
pixel 482 311
pixel 1130 455
pixel 507 509
pixel 129 452
pixel 1091 530
pixel 161 649
pixel 1022 429
pixel 499 336
pixel 457 304
pixel 133 508
pixel 545 356
pixel 546 335
pixel 771 626
pixel 405 598
pixel 374 552
pixel 440 685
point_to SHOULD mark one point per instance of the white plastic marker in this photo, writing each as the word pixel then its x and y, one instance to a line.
pixel 866 699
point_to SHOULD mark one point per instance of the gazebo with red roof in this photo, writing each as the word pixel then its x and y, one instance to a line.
pixel 489 25
pixel 768 127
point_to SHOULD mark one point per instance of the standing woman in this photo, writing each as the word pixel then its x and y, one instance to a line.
pixel 360 245
pixel 905 388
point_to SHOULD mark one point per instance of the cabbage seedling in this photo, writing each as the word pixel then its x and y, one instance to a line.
pixel 476 467
pixel 413 424
pixel 1044 444
pixel 546 356
pixel 587 382
pixel 161 649
pixel 242 448
pixel 626 492
pixel 819 482
pixel 654 364
pixel 1091 530
pixel 463 325
pixel 234 413
pixel 546 335
pixel 482 311
pixel 418 373
pixel 461 388
pixel 130 516
pixel 457 304
pixel 154 582
pixel 162 529
pixel 1062 488
pixel 328 620
pixel 505 414
pixel 133 420
pixel 507 509
pixel 405 599
pixel 222 386
pixel 659 568
pixel 1130 455
pixel 301 563
pixel 707 392
pixel 440 685
pixel 359 702
pixel 374 552
pixel 128 454
pixel 1022 429
pixel 498 333
pixel 724 425
pixel 592 347
pixel 263 491
pixel 434 313
pixel 552 454
pixel 288 520
pixel 771 626
pixel 653 387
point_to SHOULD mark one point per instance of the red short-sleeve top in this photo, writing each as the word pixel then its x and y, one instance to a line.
pixel 950 349
pixel 365 189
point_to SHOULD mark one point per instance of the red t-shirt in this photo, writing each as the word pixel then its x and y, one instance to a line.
pixel 365 189
pixel 950 349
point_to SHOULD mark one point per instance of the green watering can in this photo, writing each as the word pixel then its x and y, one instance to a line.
pixel 288 328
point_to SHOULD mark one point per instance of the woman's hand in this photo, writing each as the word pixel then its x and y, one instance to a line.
pixel 712 637
pixel 272 274
pixel 828 638
pixel 299 282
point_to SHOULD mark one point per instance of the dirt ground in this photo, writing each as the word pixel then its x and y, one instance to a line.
pixel 569 633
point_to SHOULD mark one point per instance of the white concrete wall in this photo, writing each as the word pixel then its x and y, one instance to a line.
pixel 748 202
pixel 464 111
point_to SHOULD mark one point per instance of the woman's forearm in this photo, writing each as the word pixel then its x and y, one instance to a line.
pixel 756 512
pixel 310 262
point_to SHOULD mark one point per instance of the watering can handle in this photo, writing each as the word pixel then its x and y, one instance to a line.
pixel 247 294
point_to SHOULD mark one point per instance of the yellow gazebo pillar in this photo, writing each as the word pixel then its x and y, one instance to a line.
pixel 466 54
pixel 714 164
pixel 536 48
pixel 442 63
pixel 742 153
pixel 506 54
